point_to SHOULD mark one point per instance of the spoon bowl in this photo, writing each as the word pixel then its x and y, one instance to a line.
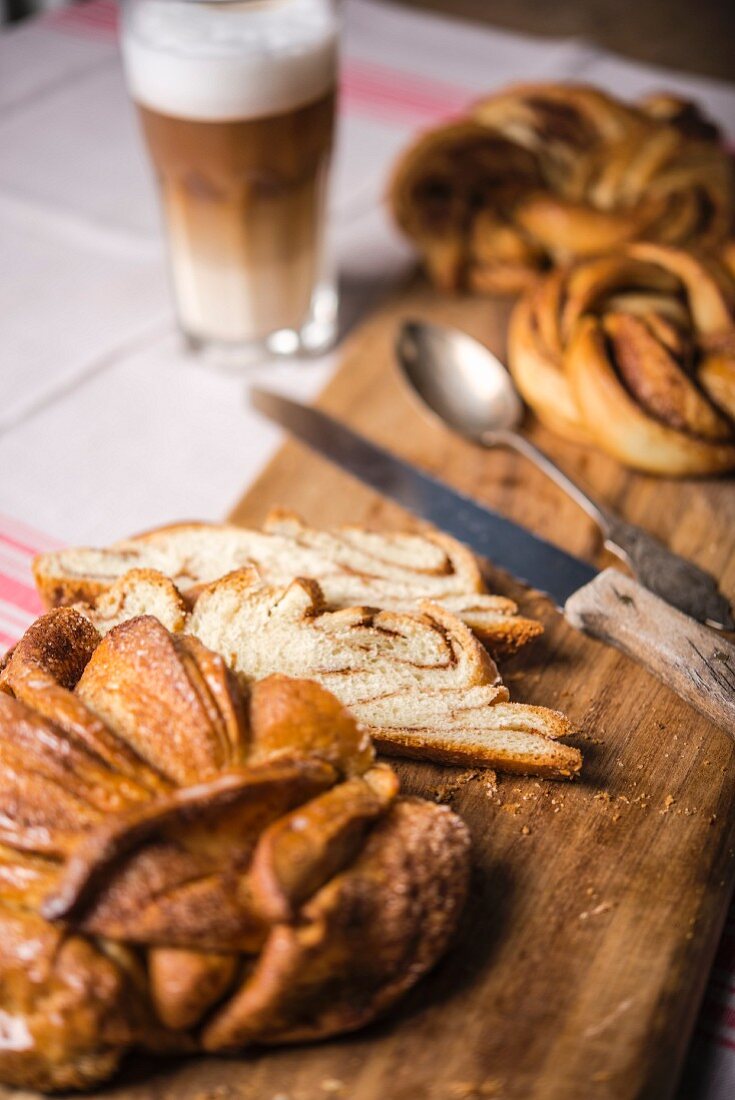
pixel 458 379
pixel 464 386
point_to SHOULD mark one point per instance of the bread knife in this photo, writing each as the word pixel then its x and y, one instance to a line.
pixel 691 659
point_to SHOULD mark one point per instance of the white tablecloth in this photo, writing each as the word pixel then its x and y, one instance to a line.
pixel 106 425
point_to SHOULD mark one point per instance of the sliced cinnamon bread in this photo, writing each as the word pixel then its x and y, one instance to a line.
pixel 421 682
pixel 353 566
pixel 138 592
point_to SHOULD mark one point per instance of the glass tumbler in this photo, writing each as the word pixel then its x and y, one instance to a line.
pixel 237 102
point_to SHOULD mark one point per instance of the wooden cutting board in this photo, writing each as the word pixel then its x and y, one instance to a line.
pixel 597 905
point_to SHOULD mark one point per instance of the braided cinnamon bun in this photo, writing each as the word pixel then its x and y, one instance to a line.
pixel 185 866
pixel 449 194
pixel 727 256
pixel 635 353
pixel 541 174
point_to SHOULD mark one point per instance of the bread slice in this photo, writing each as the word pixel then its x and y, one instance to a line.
pixel 353 566
pixel 139 592
pixel 421 682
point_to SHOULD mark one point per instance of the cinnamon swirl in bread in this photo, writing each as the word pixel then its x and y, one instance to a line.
pixel 351 564
pixel 634 353
pixel 420 682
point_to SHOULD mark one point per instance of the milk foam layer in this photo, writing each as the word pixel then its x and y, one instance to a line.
pixel 220 61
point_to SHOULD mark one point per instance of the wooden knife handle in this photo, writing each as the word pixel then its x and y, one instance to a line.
pixel 695 662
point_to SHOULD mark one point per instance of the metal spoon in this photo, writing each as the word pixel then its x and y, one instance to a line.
pixel 467 388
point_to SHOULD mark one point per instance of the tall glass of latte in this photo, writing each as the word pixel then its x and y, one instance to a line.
pixel 236 100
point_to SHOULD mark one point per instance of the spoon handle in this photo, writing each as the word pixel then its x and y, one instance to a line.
pixel 678 581
pixel 541 460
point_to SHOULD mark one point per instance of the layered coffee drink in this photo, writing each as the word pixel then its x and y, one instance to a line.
pixel 236 99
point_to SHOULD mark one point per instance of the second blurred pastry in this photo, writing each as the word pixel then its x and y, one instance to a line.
pixel 542 174
pixel 635 353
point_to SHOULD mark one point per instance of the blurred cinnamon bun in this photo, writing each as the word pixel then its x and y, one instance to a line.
pixel 635 353
pixel 542 174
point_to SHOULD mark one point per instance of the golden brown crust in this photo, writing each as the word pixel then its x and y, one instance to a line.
pixel 727 256
pixel 681 113
pixel 283 709
pixel 62 590
pixel 560 762
pixel 169 873
pixel 418 854
pixel 541 174
pixel 43 669
pixel 182 716
pixel 47 734
pixel 635 353
pixel 186 983
pixel 70 1011
pixel 302 850
pixel 504 639
pixel 57 646
pixel 162 831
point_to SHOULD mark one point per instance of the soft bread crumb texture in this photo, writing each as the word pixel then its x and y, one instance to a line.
pixel 421 683
pixel 353 566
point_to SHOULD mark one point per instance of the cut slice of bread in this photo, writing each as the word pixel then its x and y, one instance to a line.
pixel 421 682
pixel 139 592
pixel 353 566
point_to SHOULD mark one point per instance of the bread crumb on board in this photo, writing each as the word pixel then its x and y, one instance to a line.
pixel 466 1090
pixel 455 780
pixel 603 907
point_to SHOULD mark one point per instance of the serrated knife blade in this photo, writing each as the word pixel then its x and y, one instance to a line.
pixel 505 543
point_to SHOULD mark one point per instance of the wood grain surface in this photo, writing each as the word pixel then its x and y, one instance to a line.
pixel 596 905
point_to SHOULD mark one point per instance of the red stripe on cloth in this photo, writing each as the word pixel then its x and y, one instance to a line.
pixel 712 1023
pixel 377 89
pixel 31 539
pixel 19 601
pixel 16 544
pixel 20 595
pixel 90 14
pixel 722 980
pixel 725 1015
pixel 102 13
pixel 95 19
pixel 713 1037
pixel 374 90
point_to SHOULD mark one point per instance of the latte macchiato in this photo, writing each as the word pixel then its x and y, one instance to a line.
pixel 236 101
